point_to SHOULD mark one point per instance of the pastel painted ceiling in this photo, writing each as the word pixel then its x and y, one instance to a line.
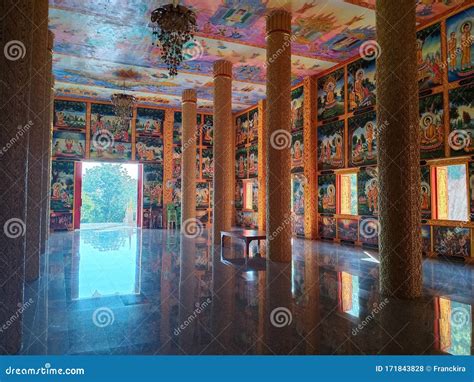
pixel 105 46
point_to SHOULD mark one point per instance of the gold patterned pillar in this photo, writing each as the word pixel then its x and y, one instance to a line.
pixel 310 160
pixel 262 169
pixel 168 161
pixel 188 147
pixel 398 150
pixel 223 149
pixel 278 121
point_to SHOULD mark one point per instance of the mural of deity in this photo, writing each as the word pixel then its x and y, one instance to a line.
pixel 207 164
pixel 297 151
pixel 460 38
pixel 347 229
pixel 331 95
pixel 331 145
pixel 62 185
pixel 207 130
pixel 432 126
pixel 425 192
pixel 253 125
pixel 241 130
pixel 327 194
pixel 297 192
pixel 363 139
pixel 327 227
pixel 149 121
pixel 368 191
pixel 253 161
pixel 452 241
pixel 297 108
pixel 69 115
pixel 428 56
pixel 68 144
pixel 149 149
pixel 241 163
pixel 361 84
pixel 461 120
pixel 202 195
pixel 239 194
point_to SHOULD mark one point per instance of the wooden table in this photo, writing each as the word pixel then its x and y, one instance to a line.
pixel 247 235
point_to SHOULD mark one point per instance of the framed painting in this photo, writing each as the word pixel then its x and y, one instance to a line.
pixel 452 241
pixel 69 115
pixel 461 120
pixel 105 125
pixel 207 130
pixel 361 85
pixel 327 227
pixel 241 163
pixel 150 122
pixel 425 192
pixel 331 146
pixel 331 95
pixel 152 186
pixel 428 56
pixel 61 221
pixel 253 125
pixel 297 108
pixel 68 144
pixel 62 186
pixel 363 140
pixel 298 225
pixel 239 194
pixel 298 182
pixel 327 194
pixel 297 151
pixel 202 195
pixel 348 229
pixel 368 191
pixel 253 161
pixel 207 164
pixel 110 150
pixel 241 129
pixel 432 126
pixel 426 239
pixel 149 149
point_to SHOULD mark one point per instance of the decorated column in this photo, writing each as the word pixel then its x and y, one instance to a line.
pixel 188 168
pixel 398 149
pixel 278 136
pixel 223 149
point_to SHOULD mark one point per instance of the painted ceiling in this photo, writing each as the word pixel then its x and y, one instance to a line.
pixel 105 46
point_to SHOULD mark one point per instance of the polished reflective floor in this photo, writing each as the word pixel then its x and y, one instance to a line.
pixel 130 291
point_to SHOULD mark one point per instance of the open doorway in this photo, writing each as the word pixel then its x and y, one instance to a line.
pixel 109 194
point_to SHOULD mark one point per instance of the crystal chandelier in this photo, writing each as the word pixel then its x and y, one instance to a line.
pixel 173 26
pixel 123 105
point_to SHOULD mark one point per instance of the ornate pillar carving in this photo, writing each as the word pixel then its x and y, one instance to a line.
pixel 262 169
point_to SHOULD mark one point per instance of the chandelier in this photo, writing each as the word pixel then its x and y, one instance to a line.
pixel 123 106
pixel 173 26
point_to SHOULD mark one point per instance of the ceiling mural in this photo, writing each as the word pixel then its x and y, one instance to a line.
pixel 102 46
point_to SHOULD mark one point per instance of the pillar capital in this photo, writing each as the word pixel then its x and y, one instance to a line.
pixel 189 95
pixel 223 68
pixel 50 40
pixel 278 20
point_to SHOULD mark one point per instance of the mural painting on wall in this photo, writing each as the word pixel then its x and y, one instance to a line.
pixel 207 130
pixel 298 225
pixel 69 115
pixel 297 192
pixel 255 195
pixel 239 194
pixel 432 126
pixel 297 151
pixel 176 161
pixel 426 239
pixel 241 163
pixel 327 194
pixel 110 138
pixel 471 188
pixel 368 191
pixel 461 120
pixel 363 139
pixel 331 145
pixel 149 149
pixel 327 227
pixel 331 95
pixel 202 195
pixel 425 192
pixel 428 57
pixel 178 119
pixel 61 221
pixel 361 84
pixel 452 241
pixel 69 144
pixel 369 228
pixel 176 191
pixel 152 186
pixel 459 36
pixel 152 219
pixel 297 108
pixel 347 229
pixel 241 130
pixel 149 122
pixel 62 186
pixel 207 164
pixel 253 125
pixel 253 161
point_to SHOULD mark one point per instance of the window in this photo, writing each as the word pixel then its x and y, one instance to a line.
pixel 348 195
pixel 451 192
pixel 248 194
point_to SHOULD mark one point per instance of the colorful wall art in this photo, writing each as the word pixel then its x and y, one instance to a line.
pixel 62 186
pixel 432 126
pixel 452 241
pixel 428 56
pixel 68 144
pixel 327 227
pixel 207 130
pixel 348 229
pixel 177 131
pixel 363 140
pixel 331 146
pixel 331 95
pixel 149 149
pixel 152 186
pixel 426 239
pixel 297 151
pixel 461 120
pixel 297 108
pixel 241 163
pixel 327 194
pixel 241 131
pixel 253 161
pixel 297 192
pixel 253 125
pixel 368 191
pixel 149 121
pixel 425 192
pixel 361 84
pixel 202 195
pixel 61 221
pixel 207 164
pixel 69 115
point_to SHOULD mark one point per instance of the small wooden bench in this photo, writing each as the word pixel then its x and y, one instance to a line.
pixel 247 235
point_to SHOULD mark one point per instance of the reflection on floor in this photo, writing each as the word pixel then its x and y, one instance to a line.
pixel 128 291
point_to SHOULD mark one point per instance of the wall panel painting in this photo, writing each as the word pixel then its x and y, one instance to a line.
pixel 327 227
pixel 62 186
pixel 207 130
pixel 432 126
pixel 241 129
pixel 253 125
pixel 461 120
pixel 207 164
pixel 471 189
pixel 331 146
pixel 152 219
pixel 348 229
pixel 68 144
pixel 297 151
pixel 105 124
pixel 202 195
pixel 369 229
pixel 177 128
pixel 428 55
pixel 149 149
pixel 152 186
pixel 255 195
pixel 253 161
pixel 149 121
pixel 176 191
pixel 425 192
pixel 110 150
pixel 297 193
pixel 363 140
pixel 361 84
pixel 298 225
pixel 69 115
pixel 331 95
pixel 452 241
pixel 241 163
pixel 297 108
pixel 459 34
pixel 61 221
pixel 239 194
pixel 367 191
pixel 327 194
